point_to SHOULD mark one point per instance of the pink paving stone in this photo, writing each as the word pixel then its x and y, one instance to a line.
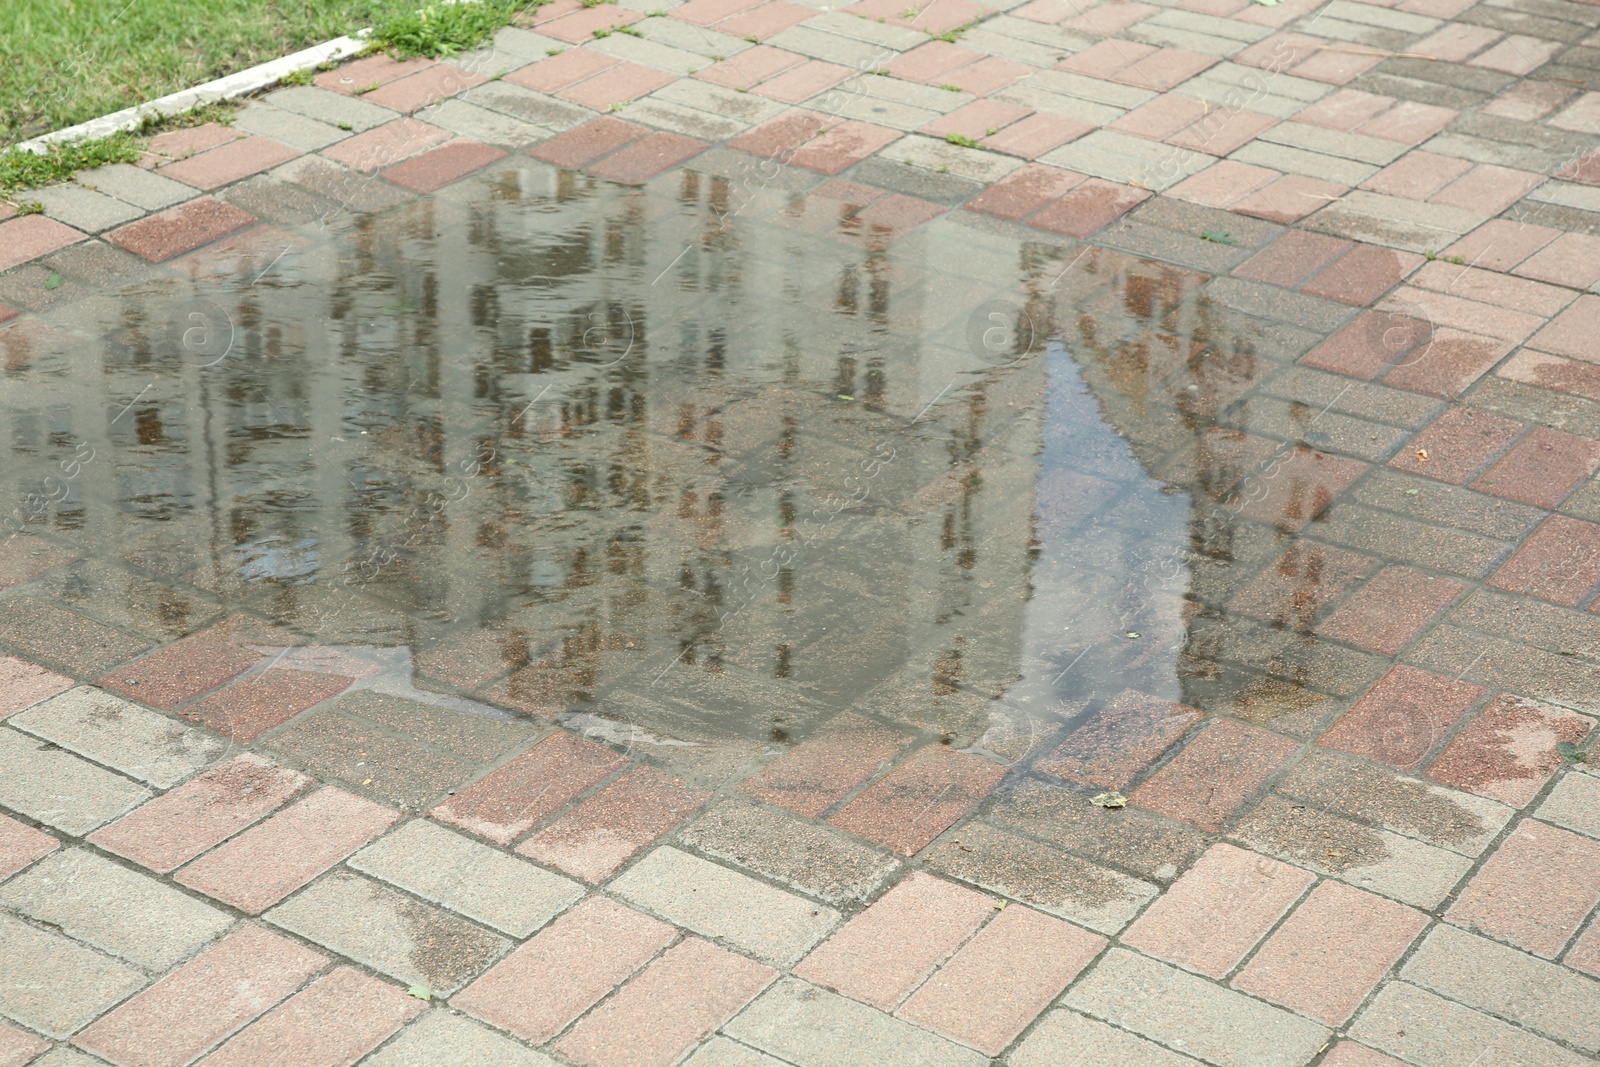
pixel 884 953
pixel 560 71
pixel 1417 175
pixel 1366 345
pixel 1336 68
pixel 1501 244
pixel 706 12
pixel 203 812
pixel 1573 332
pixel 803 82
pixel 926 62
pixel 1303 581
pixel 1508 751
pixel 1584 114
pixel 818 773
pixel 1167 68
pixel 1298 489
pixel 7 312
pixel 260 702
pixel 989 75
pixel 1553 372
pixel 554 10
pixel 1090 207
pixel 644 159
pixel 1288 199
pixel 429 86
pixel 1035 135
pixel 1350 1054
pixel 1543 468
pixel 1108 750
pixel 770 18
pixel 1216 912
pixel 1493 287
pixel 20 845
pixel 1292 258
pixel 896 214
pixel 1161 117
pixel 1002 979
pixel 1223 183
pixel 272 859
pixel 1390 610
pixel 601 834
pixel 229 163
pixel 1409 122
pixel 435 169
pixel 1572 259
pixel 1585 952
pixel 333 1022
pixel 750 67
pixel 559 974
pixel 1223 132
pixel 1098 20
pixel 1517 55
pixel 1345 109
pixel 510 801
pixel 1535 889
pixel 618 85
pixel 1528 101
pixel 24 684
pixel 1559 562
pixel 668 1009
pixel 842 146
pixel 976 119
pixel 31 236
pixel 579 26
pixel 1488 189
pixel 183 670
pixel 1104 58
pixel 387 144
pixel 1024 191
pixel 175 143
pixel 204 1001
pixel 379 69
pixel 1403 716
pixel 1458 444
pixel 1220 769
pixel 249 252
pixel 1328 955
pixel 170 233
pixel 17 1047
pixel 1450 362
pixel 1456 42
pixel 587 143
pixel 920 799
pixel 1363 274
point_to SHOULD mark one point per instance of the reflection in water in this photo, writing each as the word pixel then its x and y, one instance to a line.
pixel 617 453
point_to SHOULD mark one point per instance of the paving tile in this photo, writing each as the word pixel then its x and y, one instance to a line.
pixel 884 953
pixel 1292 259
pixel 438 167
pixel 73 642
pixel 920 799
pixel 133 185
pixel 140 743
pixel 1002 979
pixel 543 985
pixel 1572 259
pixel 428 86
pixel 1350 1054
pixel 22 685
pixel 1400 719
pixel 1110 748
pixel 1585 952
pixel 1458 445
pixel 201 813
pixel 1219 769
pixel 715 902
pixel 1363 274
pixel 18 1047
pixel 201 1003
pixel 31 236
pixel 390 932
pixel 1543 468
pixel 603 832
pixel 1574 803
pixel 615 85
pixel 1288 199
pixel 511 800
pixel 1184 1010
pixel 20 845
pixel 1508 751
pixel 1534 890
pixel 1146 844
pixel 296 131
pixel 229 163
pixel 1572 332
pixel 66 793
pixel 387 144
pixel 263 701
pixel 808 857
pixel 269 861
pixel 811 1027
pixel 170 233
pixel 668 1008
pixel 183 670
pixel 1331 952
pixel 1024 191
pixel 1395 605
pixel 1501 244
pixel 467 877
pixel 1067 1037
pixel 83 209
pixel 1368 344
pixel 55 985
pixel 720 1052
pixel 637 163
pixel 440 1038
pixel 331 107
pixel 1428 1030
pixel 821 771
pixel 1559 562
pixel 335 1021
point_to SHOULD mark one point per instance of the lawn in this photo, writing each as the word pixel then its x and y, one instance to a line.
pixel 65 61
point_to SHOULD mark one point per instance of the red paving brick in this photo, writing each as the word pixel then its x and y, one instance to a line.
pixel 20 845
pixel 1450 362
pixel 669 1008
pixel 1571 333
pixel 183 670
pixel 762 22
pixel 1218 910
pixel 1215 774
pixel 999 981
pixel 24 684
pixel 1458 445
pixel 579 26
pixel 1508 751
pixel 260 702
pixel 559 71
pixel 616 85
pixel 1109 749
pixel 1090 207
pixel 229 163
pixel 201 1003
pixel 559 974
pixel 587 143
pixel 884 953
pixel 750 67
pixel 1350 1054
pixel 803 82
pixel 1223 183
pixel 1559 562
pixel 842 146
pixel 920 799
pixel 176 143
pixel 1292 258
pixel 203 812
pixel 379 69
pixel 272 859
pixel 510 801
pixel 1543 469
pixel 1403 716
pixel 170 233
pixel 1035 135
pixel 1392 608
pixel 387 144
pixel 17 1047
pixel 1024 191
pixel 1328 955
pixel 439 167
pixel 644 159
pixel 1572 259
pixel 32 236
pixel 1535 889
pixel 428 86
pixel 1366 345
pixel 975 119
pixel 1308 577
pixel 1288 199
pixel 1295 487
pixel 603 832
pixel 333 1022
pixel 816 774
pixel 1501 244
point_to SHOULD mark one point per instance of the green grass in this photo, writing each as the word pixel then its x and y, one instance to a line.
pixel 66 61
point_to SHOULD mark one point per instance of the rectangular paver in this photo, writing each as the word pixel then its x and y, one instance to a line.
pixel 333 1022
pixel 56 985
pixel 508 802
pixel 57 788
pixel 1425 1029
pixel 136 741
pixel 811 1027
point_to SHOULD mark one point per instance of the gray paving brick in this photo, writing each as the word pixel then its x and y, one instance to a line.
pixel 716 902
pixel 1374 150
pixel 846 51
pixel 718 100
pixel 1212 25
pixel 327 106
pixel 286 127
pixel 443 1039
pixel 1188 1013
pixel 939 155
pixel 930 97
pixel 1061 43
pixel 1376 38
pixel 481 883
pixel 1066 1039
pixel 720 1052
pixel 54 985
pixel 811 1027
pixel 390 932
pixel 1271 302
pixel 482 124
pixel 59 789
pixel 885 35
pixel 135 186
pixel 1428 1030
pixel 665 115
pixel 1166 36
pixel 1394 221
pixel 879 112
pixel 493 62
pixel 1574 803
pixel 537 109
pixel 1299 161
pixel 1500 153
pixel 62 1056
pixel 811 858
pixel 691 38
pixel 1086 88
pixel 1120 157
pixel 649 53
pixel 1086 111
pixel 990 41
pixel 525 42
pixel 1232 86
pixel 136 741
pixel 84 209
pixel 116 910
pixel 1553 1000
pixel 1372 15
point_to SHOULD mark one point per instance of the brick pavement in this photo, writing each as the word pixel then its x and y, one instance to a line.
pixel 1395 866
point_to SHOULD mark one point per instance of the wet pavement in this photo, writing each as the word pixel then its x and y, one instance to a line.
pixel 509 586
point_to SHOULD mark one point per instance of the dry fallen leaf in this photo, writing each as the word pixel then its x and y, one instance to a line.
pixel 1422 455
